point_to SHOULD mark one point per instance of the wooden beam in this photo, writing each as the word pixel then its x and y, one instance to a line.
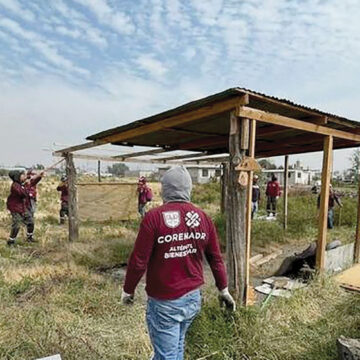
pixel 84 146
pixel 276 119
pixel 211 158
pixel 286 190
pixel 244 134
pixel 187 156
pixel 176 120
pixel 235 215
pixel 357 234
pixel 142 161
pixel 73 217
pixel 140 153
pixel 252 140
pixel 324 202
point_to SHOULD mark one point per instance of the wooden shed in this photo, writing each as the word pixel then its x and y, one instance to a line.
pixel 239 125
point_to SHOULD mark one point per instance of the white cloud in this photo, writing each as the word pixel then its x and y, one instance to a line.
pixel 74 33
pixel 82 27
pixel 189 53
pixel 42 46
pixel 151 65
pixel 16 8
pixel 109 16
pixel 208 11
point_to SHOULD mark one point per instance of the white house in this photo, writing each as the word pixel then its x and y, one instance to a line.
pixel 200 174
pixel 297 175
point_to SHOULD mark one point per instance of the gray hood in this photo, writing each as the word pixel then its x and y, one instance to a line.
pixel 176 185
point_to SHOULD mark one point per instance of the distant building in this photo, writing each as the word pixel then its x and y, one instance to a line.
pixel 298 175
pixel 139 173
pixel 200 174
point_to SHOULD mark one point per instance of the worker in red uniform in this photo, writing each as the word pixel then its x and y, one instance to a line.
pixel 171 244
pixel 32 179
pixel 18 203
pixel 63 188
pixel 144 195
pixel 272 192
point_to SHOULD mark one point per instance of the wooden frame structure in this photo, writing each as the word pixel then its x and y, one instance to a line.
pixel 241 124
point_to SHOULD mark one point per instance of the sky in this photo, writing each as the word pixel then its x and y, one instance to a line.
pixel 71 68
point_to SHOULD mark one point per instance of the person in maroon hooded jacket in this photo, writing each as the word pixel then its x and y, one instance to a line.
pixel 18 203
pixel 144 195
pixel 272 192
pixel 63 188
pixel 172 242
pixel 31 183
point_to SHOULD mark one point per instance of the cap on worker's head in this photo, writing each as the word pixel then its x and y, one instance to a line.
pixel 63 178
pixel 176 185
pixel 255 177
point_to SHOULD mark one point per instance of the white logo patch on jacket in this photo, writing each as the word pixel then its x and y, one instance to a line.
pixel 171 218
pixel 192 219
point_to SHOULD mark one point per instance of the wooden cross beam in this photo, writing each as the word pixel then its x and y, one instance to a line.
pixel 84 146
pixel 140 153
pixel 138 161
pixel 247 112
pixel 187 156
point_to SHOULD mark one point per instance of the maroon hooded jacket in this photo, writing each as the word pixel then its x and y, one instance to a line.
pixel 273 189
pixel 64 197
pixel 18 200
pixel 172 242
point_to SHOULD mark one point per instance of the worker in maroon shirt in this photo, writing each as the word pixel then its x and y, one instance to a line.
pixel 63 188
pixel 172 242
pixel 18 203
pixel 272 192
pixel 32 179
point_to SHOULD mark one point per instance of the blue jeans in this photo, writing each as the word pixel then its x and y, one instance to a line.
pixel 254 208
pixel 142 209
pixel 330 218
pixel 168 321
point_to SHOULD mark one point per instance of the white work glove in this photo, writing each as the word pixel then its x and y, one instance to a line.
pixel 226 298
pixel 277 197
pixel 127 299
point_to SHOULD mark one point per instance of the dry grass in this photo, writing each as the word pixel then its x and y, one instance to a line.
pixel 56 297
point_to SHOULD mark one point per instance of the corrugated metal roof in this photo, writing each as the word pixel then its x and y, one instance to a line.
pixel 210 133
pixel 232 92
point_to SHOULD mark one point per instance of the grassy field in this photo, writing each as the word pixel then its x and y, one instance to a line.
pixel 57 297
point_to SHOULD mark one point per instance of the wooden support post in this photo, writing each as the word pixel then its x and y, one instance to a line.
pixel 73 218
pixel 324 202
pixel 99 171
pixel 252 140
pixel 357 235
pixel 224 185
pixel 286 190
pixel 235 215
